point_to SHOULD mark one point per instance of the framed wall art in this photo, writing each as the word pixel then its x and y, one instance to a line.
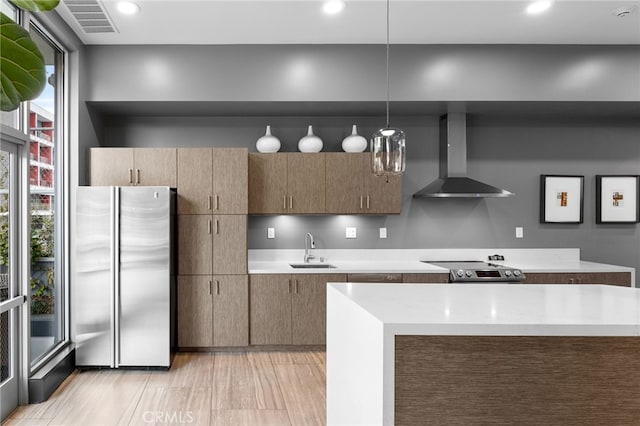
pixel 561 199
pixel 617 198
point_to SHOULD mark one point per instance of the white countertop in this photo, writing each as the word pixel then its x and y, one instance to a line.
pixel 345 267
pixel 409 261
pixel 499 309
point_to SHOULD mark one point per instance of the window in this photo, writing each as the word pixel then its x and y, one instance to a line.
pixel 47 290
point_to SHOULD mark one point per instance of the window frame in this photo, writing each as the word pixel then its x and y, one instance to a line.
pixel 61 188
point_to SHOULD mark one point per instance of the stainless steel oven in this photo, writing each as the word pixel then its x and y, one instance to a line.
pixel 474 271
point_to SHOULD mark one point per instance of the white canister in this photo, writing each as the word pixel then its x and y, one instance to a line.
pixel 354 142
pixel 268 142
pixel 310 142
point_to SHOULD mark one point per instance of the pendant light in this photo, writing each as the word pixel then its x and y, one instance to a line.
pixel 387 145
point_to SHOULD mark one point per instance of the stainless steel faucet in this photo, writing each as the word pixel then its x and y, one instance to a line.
pixel 310 245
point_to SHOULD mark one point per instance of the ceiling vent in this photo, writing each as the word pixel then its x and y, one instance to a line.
pixel 90 16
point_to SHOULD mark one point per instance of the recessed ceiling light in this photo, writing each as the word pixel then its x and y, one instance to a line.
pixel 331 7
pixel 538 6
pixel 128 8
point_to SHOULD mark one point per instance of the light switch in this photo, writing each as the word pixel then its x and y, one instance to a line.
pixel 519 232
pixel 271 232
pixel 383 232
pixel 351 232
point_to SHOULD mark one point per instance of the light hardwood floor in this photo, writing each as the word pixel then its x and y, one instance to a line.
pixel 230 388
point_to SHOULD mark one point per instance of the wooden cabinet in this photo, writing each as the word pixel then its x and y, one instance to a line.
pixel 212 180
pixel 133 166
pixel 611 278
pixel 309 309
pixel 213 310
pixel 289 309
pixel 229 244
pixel 195 311
pixel 306 183
pixel 212 244
pixel 292 183
pixel 352 188
pixel 270 309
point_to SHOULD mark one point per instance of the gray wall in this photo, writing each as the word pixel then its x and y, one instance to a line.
pixel 507 152
pixel 357 73
pixel 504 149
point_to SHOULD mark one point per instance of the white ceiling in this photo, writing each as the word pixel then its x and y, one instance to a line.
pixel 363 22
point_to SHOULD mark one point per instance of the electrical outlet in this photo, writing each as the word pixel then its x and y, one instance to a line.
pixel 271 232
pixel 383 232
pixel 351 232
pixel 519 232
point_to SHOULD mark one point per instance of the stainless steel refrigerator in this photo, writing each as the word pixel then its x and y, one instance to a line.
pixel 122 312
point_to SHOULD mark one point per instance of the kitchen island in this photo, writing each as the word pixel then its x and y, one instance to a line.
pixel 482 354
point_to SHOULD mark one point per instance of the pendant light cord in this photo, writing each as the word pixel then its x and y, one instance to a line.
pixel 387 64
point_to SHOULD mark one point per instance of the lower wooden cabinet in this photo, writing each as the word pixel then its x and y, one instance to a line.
pixel 611 278
pixel 213 310
pixel 289 309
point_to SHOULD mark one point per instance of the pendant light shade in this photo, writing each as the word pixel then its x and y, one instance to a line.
pixel 387 151
pixel 388 144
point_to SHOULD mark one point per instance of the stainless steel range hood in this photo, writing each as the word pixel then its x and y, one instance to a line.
pixel 453 181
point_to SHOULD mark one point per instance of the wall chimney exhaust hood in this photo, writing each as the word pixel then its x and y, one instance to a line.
pixel 453 181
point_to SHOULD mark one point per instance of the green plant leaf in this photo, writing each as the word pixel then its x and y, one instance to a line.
pixel 37 5
pixel 22 71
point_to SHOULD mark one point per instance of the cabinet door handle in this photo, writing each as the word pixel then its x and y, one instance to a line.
pixel 217 287
pixel 296 287
pixel 209 226
pixel 284 202
pixel 289 291
pixel 137 176
pixel 572 281
pixel 130 175
pixel 217 202
pixel 368 202
pixel 217 227
pixel 210 285
pixel 291 201
pixel 361 197
pixel 208 202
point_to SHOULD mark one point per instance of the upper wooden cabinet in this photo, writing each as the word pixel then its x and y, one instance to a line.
pixel 320 183
pixel 133 166
pixel 290 183
pixel 352 188
pixel 212 180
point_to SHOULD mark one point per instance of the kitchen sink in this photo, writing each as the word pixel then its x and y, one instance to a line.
pixel 311 265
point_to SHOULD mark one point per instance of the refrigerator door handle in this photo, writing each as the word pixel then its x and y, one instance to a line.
pixel 115 278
